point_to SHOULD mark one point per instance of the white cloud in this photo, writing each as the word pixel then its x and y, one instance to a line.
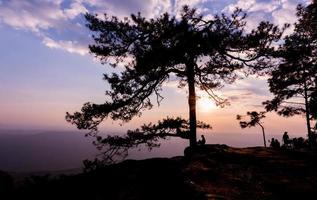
pixel 31 15
pixel 125 8
pixel 192 3
pixel 278 12
pixel 254 5
pixel 287 14
pixel 284 16
pixel 254 19
pixel 56 21
pixel 42 17
pixel 243 4
pixel 61 21
pixel 257 11
pixel 199 5
pixel 76 8
pixel 70 46
pixel 264 7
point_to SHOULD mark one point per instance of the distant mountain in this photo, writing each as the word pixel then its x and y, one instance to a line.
pixel 24 151
pixel 29 150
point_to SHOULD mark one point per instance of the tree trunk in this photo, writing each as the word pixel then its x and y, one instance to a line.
pixel 310 136
pixel 192 103
pixel 263 132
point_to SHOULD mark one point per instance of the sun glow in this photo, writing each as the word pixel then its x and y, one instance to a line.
pixel 205 104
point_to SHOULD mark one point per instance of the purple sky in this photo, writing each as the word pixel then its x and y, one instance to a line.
pixel 46 70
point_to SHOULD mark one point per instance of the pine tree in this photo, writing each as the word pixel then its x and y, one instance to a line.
pixel 294 80
pixel 201 54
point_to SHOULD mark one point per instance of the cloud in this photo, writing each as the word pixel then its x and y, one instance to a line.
pixel 70 46
pixel 125 8
pixel 264 6
pixel 49 20
pixel 278 12
pixel 286 14
pixel 249 92
pixel 250 85
pixel 31 15
pixel 245 5
pixel 180 3
pixel 60 23
pixel 76 8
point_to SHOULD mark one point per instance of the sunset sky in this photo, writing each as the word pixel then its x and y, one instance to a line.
pixel 46 70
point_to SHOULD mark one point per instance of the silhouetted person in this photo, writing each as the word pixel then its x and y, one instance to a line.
pixel 298 143
pixel 272 142
pixel 286 140
pixel 275 143
pixel 202 141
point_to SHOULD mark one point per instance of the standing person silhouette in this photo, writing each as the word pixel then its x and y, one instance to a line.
pixel 287 141
pixel 285 138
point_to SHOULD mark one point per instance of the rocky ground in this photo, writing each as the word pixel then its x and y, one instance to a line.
pixel 221 172
pixel 210 172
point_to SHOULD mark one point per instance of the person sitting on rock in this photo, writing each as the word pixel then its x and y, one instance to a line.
pixel 202 141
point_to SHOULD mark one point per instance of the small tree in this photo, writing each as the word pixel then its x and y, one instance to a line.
pixel 200 53
pixel 294 80
pixel 255 119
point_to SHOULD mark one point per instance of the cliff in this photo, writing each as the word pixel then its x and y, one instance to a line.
pixel 210 172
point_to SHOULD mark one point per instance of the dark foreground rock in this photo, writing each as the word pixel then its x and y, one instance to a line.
pixel 209 172
pixel 222 172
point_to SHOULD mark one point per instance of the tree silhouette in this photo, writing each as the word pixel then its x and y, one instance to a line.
pixel 294 80
pixel 200 53
pixel 255 119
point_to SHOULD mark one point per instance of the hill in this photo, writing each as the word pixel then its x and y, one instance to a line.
pixel 211 172
pixel 27 151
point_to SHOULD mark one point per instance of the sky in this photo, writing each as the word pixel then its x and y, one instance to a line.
pixel 46 69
